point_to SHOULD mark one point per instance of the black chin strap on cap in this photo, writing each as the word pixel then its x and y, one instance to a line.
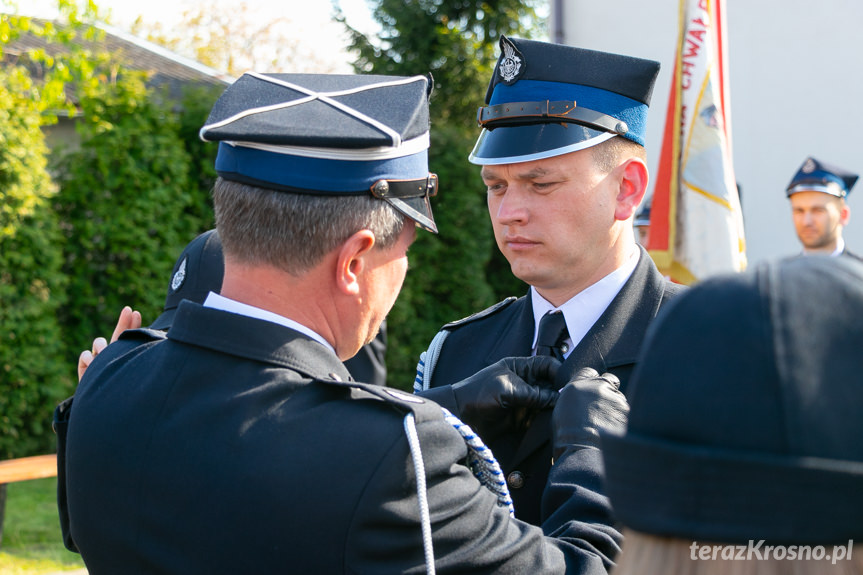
pixel 511 113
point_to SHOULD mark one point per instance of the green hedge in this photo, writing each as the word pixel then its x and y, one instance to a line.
pixel 34 374
pixel 127 207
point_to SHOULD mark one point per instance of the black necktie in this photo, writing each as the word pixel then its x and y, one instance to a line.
pixel 552 334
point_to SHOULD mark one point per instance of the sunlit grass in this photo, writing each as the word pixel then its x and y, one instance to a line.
pixel 32 543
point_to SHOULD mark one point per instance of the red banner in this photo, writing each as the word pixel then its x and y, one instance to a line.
pixel 696 224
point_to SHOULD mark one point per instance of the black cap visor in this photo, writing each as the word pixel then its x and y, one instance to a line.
pixel 524 143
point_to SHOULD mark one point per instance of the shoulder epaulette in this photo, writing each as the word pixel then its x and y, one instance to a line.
pixel 401 401
pixel 144 333
pixel 489 311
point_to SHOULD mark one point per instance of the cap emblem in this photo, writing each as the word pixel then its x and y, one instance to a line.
pixel 808 166
pixel 179 276
pixel 510 63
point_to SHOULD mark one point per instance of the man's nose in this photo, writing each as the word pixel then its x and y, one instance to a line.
pixel 512 206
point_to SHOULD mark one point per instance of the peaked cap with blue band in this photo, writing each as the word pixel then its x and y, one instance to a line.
pixel 546 100
pixel 328 134
pixel 642 216
pixel 815 176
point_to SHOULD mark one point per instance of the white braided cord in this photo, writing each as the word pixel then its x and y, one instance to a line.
pixel 422 499
pixel 482 462
pixel 427 362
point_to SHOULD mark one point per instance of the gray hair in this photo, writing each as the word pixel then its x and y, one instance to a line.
pixel 294 231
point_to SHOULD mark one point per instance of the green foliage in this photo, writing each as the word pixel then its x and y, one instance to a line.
pixel 195 107
pixel 131 196
pixel 33 375
pixel 454 40
pixel 460 271
pixel 125 204
pixel 442 283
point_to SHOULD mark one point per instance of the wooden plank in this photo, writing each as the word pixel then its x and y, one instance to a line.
pixel 25 468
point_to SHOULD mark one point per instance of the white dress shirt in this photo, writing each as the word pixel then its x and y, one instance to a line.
pixel 217 301
pixel 583 309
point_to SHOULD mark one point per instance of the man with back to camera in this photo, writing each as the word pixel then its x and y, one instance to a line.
pixel 817 195
pixel 237 443
pixel 563 159
pixel 197 272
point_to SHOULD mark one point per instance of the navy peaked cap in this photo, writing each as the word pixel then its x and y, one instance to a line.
pixel 328 134
pixel 548 99
pixel 321 110
pixel 816 176
pixel 642 216
pixel 630 77
pixel 197 271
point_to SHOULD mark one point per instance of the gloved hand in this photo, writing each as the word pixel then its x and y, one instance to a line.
pixel 504 396
pixel 588 405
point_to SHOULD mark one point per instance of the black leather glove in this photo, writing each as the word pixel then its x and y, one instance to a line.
pixel 588 405
pixel 504 396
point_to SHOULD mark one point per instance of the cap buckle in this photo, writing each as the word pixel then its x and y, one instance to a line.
pixel 422 187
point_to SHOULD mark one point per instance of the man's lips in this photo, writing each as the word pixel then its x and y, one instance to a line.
pixel 519 242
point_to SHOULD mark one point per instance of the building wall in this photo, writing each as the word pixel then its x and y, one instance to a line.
pixel 796 82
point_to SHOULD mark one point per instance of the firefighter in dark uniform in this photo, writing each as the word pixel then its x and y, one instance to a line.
pixel 818 197
pixel 236 442
pixel 198 271
pixel 562 155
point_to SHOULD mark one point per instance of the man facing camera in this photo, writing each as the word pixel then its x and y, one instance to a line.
pixel 817 195
pixel 562 156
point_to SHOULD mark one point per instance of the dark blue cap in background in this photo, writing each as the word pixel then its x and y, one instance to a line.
pixel 196 273
pixel 815 176
pixel 642 216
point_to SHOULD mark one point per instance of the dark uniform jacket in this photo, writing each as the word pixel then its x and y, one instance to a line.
pixel 845 252
pixel 237 445
pixel 507 329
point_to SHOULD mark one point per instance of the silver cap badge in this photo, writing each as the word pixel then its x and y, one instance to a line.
pixel 510 62
pixel 179 276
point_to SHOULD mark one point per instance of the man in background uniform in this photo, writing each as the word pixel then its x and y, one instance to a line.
pixel 562 155
pixel 641 223
pixel 817 195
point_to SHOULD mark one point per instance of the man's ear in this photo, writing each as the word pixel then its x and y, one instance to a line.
pixel 633 185
pixel 844 214
pixel 351 262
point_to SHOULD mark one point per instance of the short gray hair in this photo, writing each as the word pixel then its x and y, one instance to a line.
pixel 293 231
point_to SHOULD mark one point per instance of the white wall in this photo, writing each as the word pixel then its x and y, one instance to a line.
pixel 796 81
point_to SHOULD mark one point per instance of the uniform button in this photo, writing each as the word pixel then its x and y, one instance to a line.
pixel 335 376
pixel 515 480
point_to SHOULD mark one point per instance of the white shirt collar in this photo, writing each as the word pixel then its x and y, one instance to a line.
pixel 217 301
pixel 583 309
pixel 840 246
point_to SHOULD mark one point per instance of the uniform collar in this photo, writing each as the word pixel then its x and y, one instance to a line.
pixel 218 301
pixel 582 310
